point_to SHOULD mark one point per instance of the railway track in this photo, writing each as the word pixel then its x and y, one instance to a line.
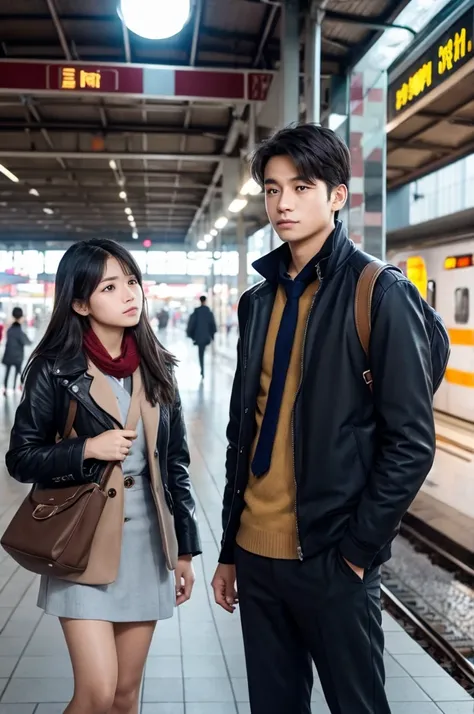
pixel 446 643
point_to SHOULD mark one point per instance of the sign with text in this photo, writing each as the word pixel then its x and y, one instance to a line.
pixel 448 54
pixel 143 80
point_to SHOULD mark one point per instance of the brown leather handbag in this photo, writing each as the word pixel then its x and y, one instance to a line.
pixel 52 531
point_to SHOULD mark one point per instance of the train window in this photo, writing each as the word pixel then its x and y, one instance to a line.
pixel 431 294
pixel 461 305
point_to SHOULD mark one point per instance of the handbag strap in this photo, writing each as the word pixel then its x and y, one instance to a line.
pixel 71 415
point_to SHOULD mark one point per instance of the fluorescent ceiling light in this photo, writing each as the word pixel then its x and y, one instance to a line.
pixel 49 211
pixel 221 222
pixel 33 192
pixel 155 19
pixel 208 238
pixel 113 165
pixel 128 211
pixel 202 245
pixel 123 195
pixel 8 174
pixel 213 232
pixel 251 188
pixel 237 205
pixel 134 235
pixel 130 218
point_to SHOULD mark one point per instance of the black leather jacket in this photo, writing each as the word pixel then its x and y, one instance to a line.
pixel 359 458
pixel 35 457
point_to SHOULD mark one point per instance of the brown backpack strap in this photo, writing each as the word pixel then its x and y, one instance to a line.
pixel 363 307
pixel 71 415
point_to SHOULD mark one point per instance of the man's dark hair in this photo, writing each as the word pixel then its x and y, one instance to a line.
pixel 318 153
pixel 17 313
pixel 203 299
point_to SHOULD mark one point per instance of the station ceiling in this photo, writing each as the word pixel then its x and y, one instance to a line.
pixel 165 152
pixel 434 137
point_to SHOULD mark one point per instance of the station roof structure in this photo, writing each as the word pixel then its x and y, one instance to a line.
pixel 89 110
pixel 431 98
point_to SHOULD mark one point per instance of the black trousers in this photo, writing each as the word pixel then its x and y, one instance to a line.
pixel 17 368
pixel 202 349
pixel 318 610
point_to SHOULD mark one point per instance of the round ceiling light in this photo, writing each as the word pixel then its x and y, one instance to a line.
pixel 155 19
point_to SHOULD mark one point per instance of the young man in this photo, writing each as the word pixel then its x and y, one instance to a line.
pixel 319 469
pixel 201 329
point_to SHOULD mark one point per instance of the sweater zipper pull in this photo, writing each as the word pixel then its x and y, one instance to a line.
pixel 299 550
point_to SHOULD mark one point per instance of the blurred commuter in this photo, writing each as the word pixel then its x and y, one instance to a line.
pixel 163 319
pixel 201 329
pixel 98 344
pixel 320 470
pixel 15 343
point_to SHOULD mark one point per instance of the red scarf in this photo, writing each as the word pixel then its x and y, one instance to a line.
pixel 120 367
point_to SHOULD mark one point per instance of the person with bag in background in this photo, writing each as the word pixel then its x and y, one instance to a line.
pixel 201 329
pixel 330 437
pixel 16 341
pixel 100 377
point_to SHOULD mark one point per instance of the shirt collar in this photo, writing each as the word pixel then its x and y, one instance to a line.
pixel 309 273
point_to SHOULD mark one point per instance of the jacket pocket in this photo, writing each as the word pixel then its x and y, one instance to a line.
pixel 346 568
pixel 364 437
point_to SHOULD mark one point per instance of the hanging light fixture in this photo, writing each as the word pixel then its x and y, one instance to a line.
pixel 155 19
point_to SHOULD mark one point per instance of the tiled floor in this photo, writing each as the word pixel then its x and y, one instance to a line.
pixel 196 664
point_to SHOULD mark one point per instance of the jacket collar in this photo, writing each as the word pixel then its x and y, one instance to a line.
pixel 70 367
pixel 328 261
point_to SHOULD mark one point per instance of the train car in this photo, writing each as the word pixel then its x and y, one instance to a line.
pixel 444 275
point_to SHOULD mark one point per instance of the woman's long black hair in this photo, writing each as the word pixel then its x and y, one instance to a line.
pixel 79 273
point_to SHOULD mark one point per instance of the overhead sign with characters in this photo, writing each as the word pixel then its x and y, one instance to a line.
pixel 445 57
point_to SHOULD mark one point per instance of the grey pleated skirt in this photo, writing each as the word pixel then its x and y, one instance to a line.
pixel 144 589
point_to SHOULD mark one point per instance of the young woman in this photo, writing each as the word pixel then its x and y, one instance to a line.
pixel 100 351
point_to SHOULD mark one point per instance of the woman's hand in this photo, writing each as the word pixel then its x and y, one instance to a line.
pixel 112 445
pixel 184 579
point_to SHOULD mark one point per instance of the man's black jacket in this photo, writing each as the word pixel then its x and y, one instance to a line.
pixel 360 458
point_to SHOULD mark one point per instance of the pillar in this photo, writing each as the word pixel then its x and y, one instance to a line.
pixel 290 63
pixel 358 115
pixel 367 144
pixel 312 70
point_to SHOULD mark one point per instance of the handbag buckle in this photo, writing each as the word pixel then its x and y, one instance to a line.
pixel 36 513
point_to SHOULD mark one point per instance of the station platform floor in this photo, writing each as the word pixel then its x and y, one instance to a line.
pixel 196 664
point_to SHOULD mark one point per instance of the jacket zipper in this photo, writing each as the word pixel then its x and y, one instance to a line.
pixel 299 549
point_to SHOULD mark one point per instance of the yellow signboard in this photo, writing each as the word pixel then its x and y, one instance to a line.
pixel 453 50
pixel 72 78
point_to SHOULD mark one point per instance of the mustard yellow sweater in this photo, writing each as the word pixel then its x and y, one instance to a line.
pixel 268 522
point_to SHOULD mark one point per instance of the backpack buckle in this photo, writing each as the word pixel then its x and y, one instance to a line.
pixel 367 376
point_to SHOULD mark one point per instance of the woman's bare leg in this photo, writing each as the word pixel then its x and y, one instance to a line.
pixel 91 645
pixel 132 642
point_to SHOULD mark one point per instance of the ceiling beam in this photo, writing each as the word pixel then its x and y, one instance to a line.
pixel 103 155
pixel 268 27
pixel 196 32
pixel 372 23
pixel 8 125
pixel 59 29
pixel 395 144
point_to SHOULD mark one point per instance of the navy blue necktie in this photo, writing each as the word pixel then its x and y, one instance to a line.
pixel 283 346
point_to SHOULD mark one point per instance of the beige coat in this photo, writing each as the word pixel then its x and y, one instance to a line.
pixel 104 558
